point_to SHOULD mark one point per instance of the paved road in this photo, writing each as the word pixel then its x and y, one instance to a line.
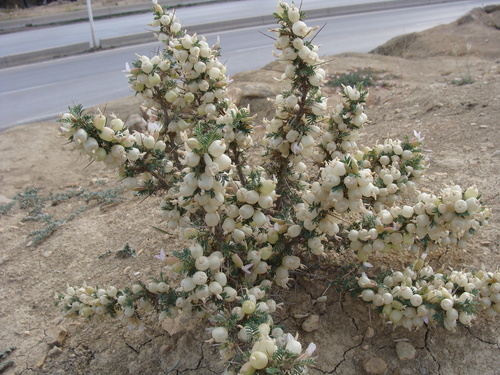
pixel 43 38
pixel 41 91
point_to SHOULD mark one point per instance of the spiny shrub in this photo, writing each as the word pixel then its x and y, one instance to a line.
pixel 248 228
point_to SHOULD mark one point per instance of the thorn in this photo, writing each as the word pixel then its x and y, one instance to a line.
pixel 269 36
pixel 320 29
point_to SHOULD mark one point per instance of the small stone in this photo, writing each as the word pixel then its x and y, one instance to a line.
pixel 55 351
pixel 301 316
pixel 496 153
pixel 41 361
pixel 366 347
pixel 370 332
pixel 311 323
pixel 235 93
pixel 321 299
pixel 55 336
pixel 483 126
pixel 405 351
pixel 257 91
pixel 375 366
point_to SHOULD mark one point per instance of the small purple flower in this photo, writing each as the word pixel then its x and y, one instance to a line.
pixel 247 267
pixel 161 256
pixel 311 349
pixel 153 127
pixel 296 148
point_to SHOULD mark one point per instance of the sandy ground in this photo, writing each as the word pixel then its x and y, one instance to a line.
pixel 460 124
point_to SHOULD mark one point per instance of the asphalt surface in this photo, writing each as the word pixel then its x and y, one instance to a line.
pixel 95 78
pixel 46 38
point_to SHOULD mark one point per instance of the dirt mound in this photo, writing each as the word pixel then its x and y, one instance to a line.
pixel 476 33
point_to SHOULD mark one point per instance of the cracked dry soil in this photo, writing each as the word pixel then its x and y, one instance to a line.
pixel 461 129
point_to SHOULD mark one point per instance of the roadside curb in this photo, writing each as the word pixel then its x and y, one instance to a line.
pixel 148 37
pixel 43 55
